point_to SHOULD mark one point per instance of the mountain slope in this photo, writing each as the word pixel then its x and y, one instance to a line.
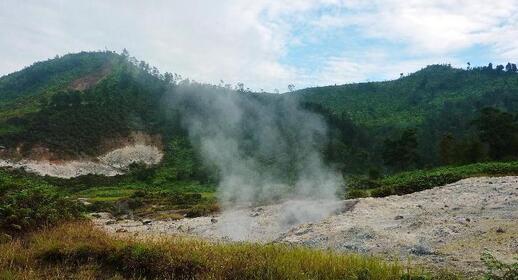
pixel 71 105
pixel 408 101
pixel 83 105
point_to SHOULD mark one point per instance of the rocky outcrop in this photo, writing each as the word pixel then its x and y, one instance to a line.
pixel 112 163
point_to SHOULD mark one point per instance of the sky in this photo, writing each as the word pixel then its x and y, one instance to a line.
pixel 266 44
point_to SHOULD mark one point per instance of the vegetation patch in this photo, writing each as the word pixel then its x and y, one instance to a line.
pixel 414 181
pixel 81 251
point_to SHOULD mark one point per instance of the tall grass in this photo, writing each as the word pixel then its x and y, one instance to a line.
pixel 80 251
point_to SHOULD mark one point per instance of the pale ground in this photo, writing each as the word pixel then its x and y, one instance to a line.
pixel 448 226
pixel 110 164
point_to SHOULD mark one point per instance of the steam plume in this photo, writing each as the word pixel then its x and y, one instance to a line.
pixel 267 150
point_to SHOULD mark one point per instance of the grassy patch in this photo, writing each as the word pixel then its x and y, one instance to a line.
pixel 413 181
pixel 80 251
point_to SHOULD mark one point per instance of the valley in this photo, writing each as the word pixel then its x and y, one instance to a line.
pixel 110 169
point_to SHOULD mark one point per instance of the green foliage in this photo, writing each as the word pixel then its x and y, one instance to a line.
pixel 500 131
pixel 498 270
pixel 438 100
pixel 46 76
pixel 408 101
pixel 26 209
pixel 422 120
pixel 402 152
pixel 413 181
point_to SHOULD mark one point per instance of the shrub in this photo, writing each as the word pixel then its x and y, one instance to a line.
pixel 497 270
pixel 356 193
pixel 383 191
pixel 29 209
pixel 201 210
pixel 414 181
pixel 178 198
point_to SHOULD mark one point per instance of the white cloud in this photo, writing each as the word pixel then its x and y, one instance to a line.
pixel 430 27
pixel 347 68
pixel 231 40
pixel 246 40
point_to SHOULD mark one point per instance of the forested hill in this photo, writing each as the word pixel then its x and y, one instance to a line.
pixel 437 116
pixel 70 104
pixel 411 100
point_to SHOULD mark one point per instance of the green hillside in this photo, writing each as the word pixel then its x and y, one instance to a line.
pixel 436 116
pixel 410 100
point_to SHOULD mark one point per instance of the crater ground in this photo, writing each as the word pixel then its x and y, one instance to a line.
pixel 449 226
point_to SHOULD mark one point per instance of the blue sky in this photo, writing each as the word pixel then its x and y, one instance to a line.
pixel 267 44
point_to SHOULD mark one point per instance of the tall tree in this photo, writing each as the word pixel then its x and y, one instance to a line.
pixel 500 131
pixel 401 153
pixel 447 149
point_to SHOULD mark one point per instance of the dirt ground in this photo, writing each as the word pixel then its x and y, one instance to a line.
pixel 447 226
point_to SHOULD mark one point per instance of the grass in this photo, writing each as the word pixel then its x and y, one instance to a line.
pixel 414 181
pixel 119 195
pixel 80 251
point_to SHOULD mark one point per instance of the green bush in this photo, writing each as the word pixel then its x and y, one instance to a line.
pixel 356 193
pixel 414 181
pixel 178 198
pixel 201 210
pixel 497 270
pixel 29 209
pixel 383 191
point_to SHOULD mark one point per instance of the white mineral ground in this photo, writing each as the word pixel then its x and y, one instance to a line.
pixel 447 226
pixel 110 164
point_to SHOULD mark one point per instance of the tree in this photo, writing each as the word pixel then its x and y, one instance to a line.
pixel 499 131
pixel 447 149
pixel 508 67
pixel 240 87
pixel 401 153
pixel 169 78
pixel 291 87
pixel 499 68
pixel 125 53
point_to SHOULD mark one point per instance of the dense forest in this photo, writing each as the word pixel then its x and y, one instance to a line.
pixel 437 116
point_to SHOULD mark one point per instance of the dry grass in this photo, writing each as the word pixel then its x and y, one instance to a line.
pixel 80 251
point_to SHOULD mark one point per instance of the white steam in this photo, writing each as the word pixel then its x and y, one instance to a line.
pixel 268 150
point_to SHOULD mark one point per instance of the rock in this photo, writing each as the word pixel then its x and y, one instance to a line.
pixel 96 215
pixel 253 215
pixel 302 231
pixel 213 220
pixel 146 222
pixel 119 230
pixel 398 217
pixel 500 230
pixel 84 201
pixel 421 250
pixel 110 222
